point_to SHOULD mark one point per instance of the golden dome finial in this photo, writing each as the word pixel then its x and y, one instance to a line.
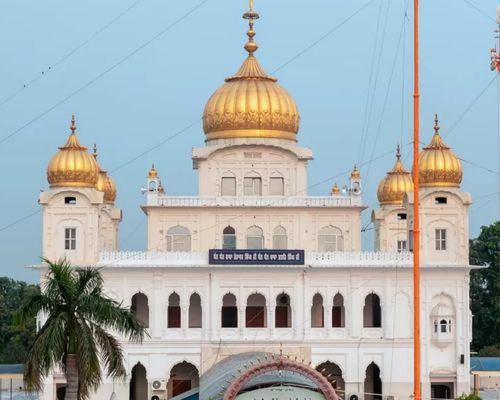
pixel 251 15
pixel 94 151
pixel 73 124
pixel 395 184
pixel 72 165
pixel 439 165
pixel 335 189
pixel 355 174
pixel 153 173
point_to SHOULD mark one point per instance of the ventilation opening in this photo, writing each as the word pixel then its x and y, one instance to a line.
pixel 401 216
pixel 70 200
pixel 441 200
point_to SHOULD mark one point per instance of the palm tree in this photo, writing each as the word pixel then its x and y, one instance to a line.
pixel 76 334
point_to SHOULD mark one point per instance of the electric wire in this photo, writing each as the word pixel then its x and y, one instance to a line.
pixel 386 97
pixel 480 11
pixel 105 72
pixel 323 37
pixel 68 55
pixel 370 79
pixel 375 85
pixel 468 108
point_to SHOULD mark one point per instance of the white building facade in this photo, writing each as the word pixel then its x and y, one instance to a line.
pixel 347 312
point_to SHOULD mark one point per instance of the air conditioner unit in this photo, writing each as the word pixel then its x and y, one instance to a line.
pixel 159 385
pixel 156 397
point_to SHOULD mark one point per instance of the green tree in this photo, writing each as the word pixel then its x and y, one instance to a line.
pixel 15 339
pixel 75 334
pixel 485 287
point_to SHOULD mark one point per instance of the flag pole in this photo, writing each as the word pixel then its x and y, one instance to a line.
pixel 416 205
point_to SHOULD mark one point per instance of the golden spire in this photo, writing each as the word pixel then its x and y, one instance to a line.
pixel 73 124
pixel 396 183
pixel 355 174
pixel 251 104
pixel 335 189
pixel 439 165
pixel 153 173
pixel 72 166
pixel 251 15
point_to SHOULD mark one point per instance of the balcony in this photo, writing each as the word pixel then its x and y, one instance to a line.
pixel 200 259
pixel 257 201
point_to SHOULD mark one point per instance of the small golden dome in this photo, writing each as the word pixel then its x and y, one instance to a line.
pixel 395 184
pixel 72 165
pixel 439 165
pixel 355 174
pixel 251 103
pixel 335 189
pixel 161 189
pixel 153 173
pixel 105 183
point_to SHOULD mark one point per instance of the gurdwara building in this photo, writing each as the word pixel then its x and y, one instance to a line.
pixel 254 289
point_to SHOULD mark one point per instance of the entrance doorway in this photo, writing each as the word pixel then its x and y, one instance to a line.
pixel 442 390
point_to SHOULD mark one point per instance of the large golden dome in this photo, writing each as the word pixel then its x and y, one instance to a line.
pixel 251 103
pixel 105 183
pixel 72 165
pixel 439 165
pixel 395 184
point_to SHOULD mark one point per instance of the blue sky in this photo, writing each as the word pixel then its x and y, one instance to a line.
pixel 162 88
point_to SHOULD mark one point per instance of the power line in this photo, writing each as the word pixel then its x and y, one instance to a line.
pixel 17 221
pixel 386 97
pixel 483 91
pixel 320 39
pixel 370 78
pixel 51 67
pixel 480 11
pixel 105 72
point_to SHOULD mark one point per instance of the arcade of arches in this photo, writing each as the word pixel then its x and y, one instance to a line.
pixel 183 377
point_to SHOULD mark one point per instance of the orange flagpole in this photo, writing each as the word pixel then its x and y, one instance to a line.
pixel 416 216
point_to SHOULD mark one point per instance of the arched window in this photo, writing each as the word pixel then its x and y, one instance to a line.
pixel 334 374
pixel 195 311
pixel 152 186
pixel 228 238
pixel 256 311
pixel 280 239
pixel 276 185
pixel 138 383
pixel 283 312
pixel 373 383
pixel 228 184
pixel 140 308
pixel 372 312
pixel 255 238
pixel 178 239
pixel 183 377
pixel 252 184
pixel 174 311
pixel 229 315
pixel 330 239
pixel 317 312
pixel 338 313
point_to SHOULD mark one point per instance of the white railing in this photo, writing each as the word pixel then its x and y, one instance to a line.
pixel 257 201
pixel 200 259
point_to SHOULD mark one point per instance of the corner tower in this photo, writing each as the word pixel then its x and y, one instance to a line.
pixel 444 207
pixel 79 217
pixel 390 220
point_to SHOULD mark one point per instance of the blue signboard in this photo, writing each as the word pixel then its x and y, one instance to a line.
pixel 255 257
